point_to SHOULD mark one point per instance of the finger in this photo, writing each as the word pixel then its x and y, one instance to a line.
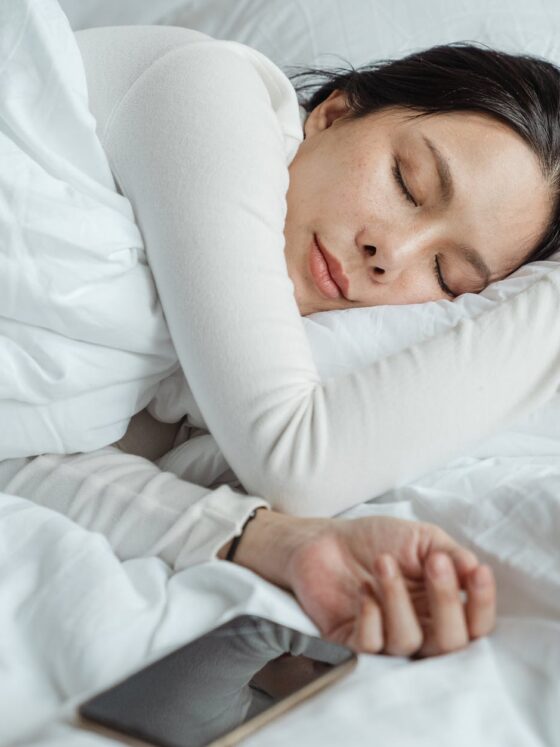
pixel 368 630
pixel 464 560
pixel 449 627
pixel 402 632
pixel 481 602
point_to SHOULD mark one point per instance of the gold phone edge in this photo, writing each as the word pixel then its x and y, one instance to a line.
pixel 244 730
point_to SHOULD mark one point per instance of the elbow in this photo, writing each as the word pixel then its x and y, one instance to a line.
pixel 299 465
pixel 290 465
pixel 295 499
pixel 317 489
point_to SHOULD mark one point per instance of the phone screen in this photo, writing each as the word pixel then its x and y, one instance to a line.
pixel 224 684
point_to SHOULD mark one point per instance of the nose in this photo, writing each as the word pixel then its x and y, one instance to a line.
pixel 387 261
pixel 371 251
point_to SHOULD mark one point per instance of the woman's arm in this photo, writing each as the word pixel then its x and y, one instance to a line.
pixel 197 147
pixel 331 565
pixel 141 510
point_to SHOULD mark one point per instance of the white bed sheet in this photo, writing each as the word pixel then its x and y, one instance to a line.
pixel 74 619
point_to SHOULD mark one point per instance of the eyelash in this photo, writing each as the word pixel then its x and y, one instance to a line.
pixel 400 181
pixel 441 281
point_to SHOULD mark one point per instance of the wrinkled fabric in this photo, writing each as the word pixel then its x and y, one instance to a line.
pixel 83 340
pixel 74 620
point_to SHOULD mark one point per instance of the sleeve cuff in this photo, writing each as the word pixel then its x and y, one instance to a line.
pixel 223 512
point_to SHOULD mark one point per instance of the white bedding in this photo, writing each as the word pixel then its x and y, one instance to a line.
pixel 74 619
pixel 71 256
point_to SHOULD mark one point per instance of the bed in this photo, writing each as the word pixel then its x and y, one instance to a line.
pixel 74 618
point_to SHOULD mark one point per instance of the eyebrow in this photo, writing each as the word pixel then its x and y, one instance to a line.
pixel 443 171
pixel 471 255
pixel 475 260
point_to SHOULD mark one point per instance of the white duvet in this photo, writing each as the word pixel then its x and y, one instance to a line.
pixel 72 617
pixel 71 256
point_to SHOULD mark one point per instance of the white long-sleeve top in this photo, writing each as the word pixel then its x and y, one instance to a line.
pixel 199 134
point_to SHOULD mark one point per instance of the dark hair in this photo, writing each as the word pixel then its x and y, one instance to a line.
pixel 520 90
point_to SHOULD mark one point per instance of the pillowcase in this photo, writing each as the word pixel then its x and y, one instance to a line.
pixel 321 32
pixel 353 338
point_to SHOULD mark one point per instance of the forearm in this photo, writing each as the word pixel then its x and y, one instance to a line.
pixel 141 510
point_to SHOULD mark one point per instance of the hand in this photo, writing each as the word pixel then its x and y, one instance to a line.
pixel 384 585
pixel 374 584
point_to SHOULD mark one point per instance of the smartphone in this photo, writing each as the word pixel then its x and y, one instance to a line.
pixel 219 688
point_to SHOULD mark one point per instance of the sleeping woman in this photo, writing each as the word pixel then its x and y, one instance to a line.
pixel 405 182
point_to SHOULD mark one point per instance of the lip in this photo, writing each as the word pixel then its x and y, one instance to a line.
pixel 327 271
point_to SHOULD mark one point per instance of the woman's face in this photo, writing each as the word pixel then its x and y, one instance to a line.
pixel 472 205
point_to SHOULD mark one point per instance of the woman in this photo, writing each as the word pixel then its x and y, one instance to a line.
pixel 198 133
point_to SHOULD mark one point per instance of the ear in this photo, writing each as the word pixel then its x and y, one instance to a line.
pixel 325 113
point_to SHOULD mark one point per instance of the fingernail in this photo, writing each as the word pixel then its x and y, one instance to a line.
pixel 387 567
pixel 483 576
pixel 440 566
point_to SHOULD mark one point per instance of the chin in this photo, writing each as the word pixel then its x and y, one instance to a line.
pixel 305 310
pixel 306 307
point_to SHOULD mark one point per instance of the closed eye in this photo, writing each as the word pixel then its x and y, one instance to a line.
pixel 402 186
pixel 406 193
pixel 441 281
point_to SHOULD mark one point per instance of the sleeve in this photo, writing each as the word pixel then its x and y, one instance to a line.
pixel 197 148
pixel 140 509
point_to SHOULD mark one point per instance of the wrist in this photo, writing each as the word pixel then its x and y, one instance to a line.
pixel 270 541
pixel 230 548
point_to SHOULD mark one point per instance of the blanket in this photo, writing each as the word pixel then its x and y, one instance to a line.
pixel 71 256
pixel 74 620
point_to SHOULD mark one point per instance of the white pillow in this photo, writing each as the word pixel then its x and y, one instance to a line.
pixel 315 32
pixel 319 32
pixel 353 338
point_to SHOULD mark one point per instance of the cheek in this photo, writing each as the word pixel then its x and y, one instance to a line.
pixel 369 185
pixel 343 186
pixel 305 188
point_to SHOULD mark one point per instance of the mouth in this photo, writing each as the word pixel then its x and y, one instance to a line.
pixel 327 271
